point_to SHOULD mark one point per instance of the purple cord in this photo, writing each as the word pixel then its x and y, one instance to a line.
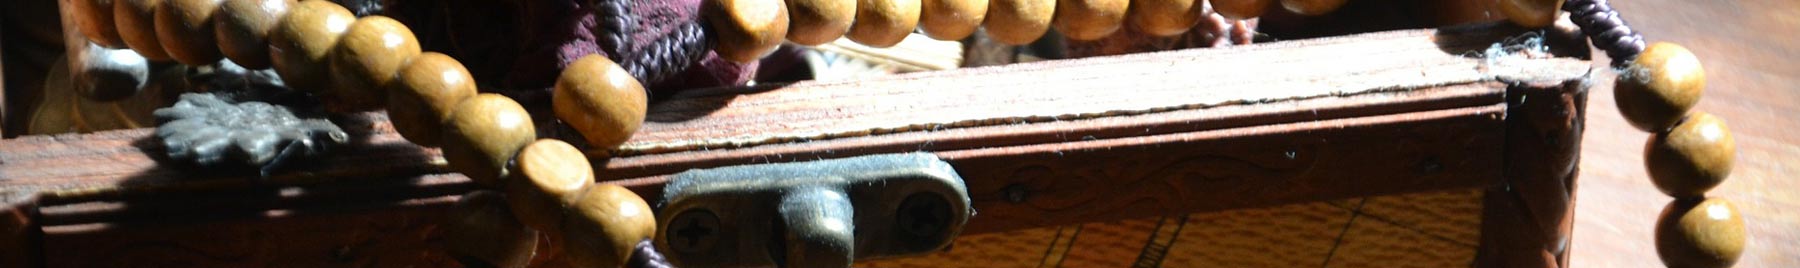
pixel 1606 29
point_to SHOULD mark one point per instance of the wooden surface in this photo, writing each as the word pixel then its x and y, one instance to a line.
pixel 1047 154
pixel 1433 229
pixel 1749 54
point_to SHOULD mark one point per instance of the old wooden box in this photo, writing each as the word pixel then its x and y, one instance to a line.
pixel 1401 148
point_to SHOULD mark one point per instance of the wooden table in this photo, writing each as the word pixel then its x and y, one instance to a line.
pixel 1749 51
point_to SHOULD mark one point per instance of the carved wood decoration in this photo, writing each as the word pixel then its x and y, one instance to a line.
pixel 1040 145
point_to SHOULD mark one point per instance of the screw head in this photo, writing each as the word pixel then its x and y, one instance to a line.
pixel 693 231
pixel 923 215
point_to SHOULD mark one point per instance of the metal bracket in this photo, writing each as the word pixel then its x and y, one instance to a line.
pixel 823 213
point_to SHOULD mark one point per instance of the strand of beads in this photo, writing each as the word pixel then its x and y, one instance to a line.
pixel 374 62
pixel 749 29
pixel 1689 152
pixel 1687 155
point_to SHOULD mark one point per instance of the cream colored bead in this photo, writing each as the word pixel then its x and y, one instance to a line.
pixel 951 19
pixel 1312 7
pixel 1659 87
pixel 815 22
pixel 1691 158
pixel 1700 233
pixel 136 23
pixel 605 225
pixel 483 133
pixel 483 229
pixel 303 40
pixel 883 23
pixel 600 100
pixel 1165 17
pixel 1019 22
pixel 747 30
pixel 185 29
pixel 242 28
pixel 548 178
pixel 1241 9
pixel 421 97
pixel 1090 19
pixel 365 61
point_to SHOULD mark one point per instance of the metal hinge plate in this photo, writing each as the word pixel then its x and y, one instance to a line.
pixel 823 213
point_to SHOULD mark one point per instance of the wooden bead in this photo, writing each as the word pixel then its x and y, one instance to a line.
pixel 1166 17
pixel 365 61
pixel 884 23
pixel 482 229
pixel 815 22
pixel 747 30
pixel 303 39
pixel 1312 7
pixel 1090 19
pixel 1691 158
pixel 600 100
pixel 242 28
pixel 136 23
pixel 1531 13
pixel 605 225
pixel 952 20
pixel 1241 9
pixel 185 29
pixel 1700 233
pixel 94 18
pixel 1659 86
pixel 423 94
pixel 1019 22
pixel 548 177
pixel 483 132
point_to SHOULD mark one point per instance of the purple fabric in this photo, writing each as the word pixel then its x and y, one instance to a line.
pixel 524 45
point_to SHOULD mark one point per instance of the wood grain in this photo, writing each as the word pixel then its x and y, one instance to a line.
pixel 1300 235
pixel 1297 235
pixel 1017 248
pixel 1374 243
pixel 1448 215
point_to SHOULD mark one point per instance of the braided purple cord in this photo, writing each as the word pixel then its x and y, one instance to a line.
pixel 644 255
pixel 1606 29
pixel 652 40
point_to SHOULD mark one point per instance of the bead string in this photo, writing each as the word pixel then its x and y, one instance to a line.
pixel 1602 24
pixel 1689 152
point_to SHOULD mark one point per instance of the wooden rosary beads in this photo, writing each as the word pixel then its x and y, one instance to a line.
pixel 360 64
pixel 750 29
pixel 1687 155
pixel 1689 152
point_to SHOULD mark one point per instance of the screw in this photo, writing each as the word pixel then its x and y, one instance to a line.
pixel 1430 165
pixel 1015 193
pixel 924 215
pixel 693 231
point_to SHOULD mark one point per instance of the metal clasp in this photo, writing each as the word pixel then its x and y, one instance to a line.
pixel 823 213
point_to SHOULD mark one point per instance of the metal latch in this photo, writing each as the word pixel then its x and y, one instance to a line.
pixel 823 213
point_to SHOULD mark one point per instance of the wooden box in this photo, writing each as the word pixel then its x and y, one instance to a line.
pixel 1395 149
